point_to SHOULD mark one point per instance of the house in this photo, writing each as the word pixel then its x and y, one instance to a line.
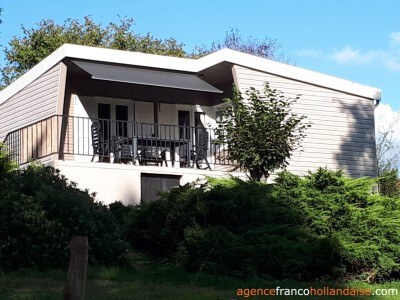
pixel 127 124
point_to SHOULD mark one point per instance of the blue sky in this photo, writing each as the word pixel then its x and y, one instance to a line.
pixel 358 40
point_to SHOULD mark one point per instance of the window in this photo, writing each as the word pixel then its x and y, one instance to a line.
pixel 199 123
pixel 104 114
pixel 184 124
pixel 121 115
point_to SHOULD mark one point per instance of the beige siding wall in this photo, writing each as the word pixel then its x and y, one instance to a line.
pixel 39 139
pixel 342 125
pixel 68 123
pixel 35 102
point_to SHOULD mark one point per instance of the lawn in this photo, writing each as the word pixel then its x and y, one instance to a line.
pixel 153 281
pixel 146 280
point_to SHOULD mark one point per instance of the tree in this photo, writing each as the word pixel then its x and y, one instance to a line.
pixel 387 155
pixel 36 44
pixel 387 152
pixel 6 164
pixel 266 48
pixel 260 130
pixel 1 11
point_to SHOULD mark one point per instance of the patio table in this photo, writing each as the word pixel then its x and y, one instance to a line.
pixel 134 144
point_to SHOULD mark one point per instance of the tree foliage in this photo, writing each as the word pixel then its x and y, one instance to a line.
pixel 321 225
pixel 389 184
pixel 7 166
pixel 387 155
pixel 260 130
pixel 266 48
pixel 1 11
pixel 40 211
pixel 36 44
pixel 387 152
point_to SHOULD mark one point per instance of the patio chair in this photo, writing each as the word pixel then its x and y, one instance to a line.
pixel 199 152
pixel 184 155
pixel 123 150
pixel 152 154
pixel 100 146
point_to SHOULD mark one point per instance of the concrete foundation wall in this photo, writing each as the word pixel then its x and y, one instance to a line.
pixel 112 182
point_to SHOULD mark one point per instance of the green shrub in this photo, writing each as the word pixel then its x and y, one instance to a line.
pixel 363 226
pixel 229 227
pixel 27 237
pixel 40 211
pixel 6 165
pixel 389 183
pixel 323 224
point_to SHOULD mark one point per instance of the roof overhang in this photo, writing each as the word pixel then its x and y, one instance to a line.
pixel 194 66
pixel 141 76
pixel 290 72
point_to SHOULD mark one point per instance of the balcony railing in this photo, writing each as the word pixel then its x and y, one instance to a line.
pixel 111 141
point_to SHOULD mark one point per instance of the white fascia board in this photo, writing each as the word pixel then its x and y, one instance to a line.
pixel 101 55
pixel 291 72
pixel 129 58
pixel 186 65
pixel 32 74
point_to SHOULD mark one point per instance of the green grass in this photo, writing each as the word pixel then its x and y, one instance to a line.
pixel 149 281
pixel 146 280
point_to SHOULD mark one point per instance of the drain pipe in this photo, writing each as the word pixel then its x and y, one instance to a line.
pixel 376 188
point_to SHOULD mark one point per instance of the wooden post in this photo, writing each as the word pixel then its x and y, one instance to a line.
pixel 74 288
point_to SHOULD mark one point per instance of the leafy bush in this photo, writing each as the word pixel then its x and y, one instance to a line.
pixel 242 130
pixel 389 183
pixel 230 227
pixel 40 212
pixel 364 226
pixel 323 224
pixel 6 165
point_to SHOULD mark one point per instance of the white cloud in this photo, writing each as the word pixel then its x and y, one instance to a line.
pixel 384 116
pixel 394 38
pixel 393 64
pixel 389 57
pixel 355 56
pixel 346 54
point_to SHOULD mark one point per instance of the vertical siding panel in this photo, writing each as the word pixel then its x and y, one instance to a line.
pixel 35 102
pixel 340 121
pixel 48 133
pixel 69 139
pixel 24 144
pixel 54 133
pixel 38 98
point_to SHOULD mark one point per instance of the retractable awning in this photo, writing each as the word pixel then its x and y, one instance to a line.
pixel 146 77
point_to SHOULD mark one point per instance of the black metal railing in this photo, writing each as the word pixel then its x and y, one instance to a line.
pixel 35 141
pixel 113 141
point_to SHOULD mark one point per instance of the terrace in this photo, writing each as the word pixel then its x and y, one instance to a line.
pixel 119 142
